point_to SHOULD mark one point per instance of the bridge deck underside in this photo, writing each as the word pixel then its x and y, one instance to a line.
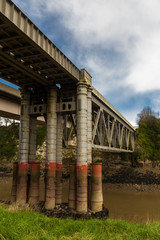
pixel 23 60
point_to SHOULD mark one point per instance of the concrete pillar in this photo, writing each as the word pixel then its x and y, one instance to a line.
pixel 82 145
pixel 34 168
pixel 59 160
pixel 51 148
pixel 23 148
pixel 89 130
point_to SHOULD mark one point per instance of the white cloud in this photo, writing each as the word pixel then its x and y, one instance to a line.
pixel 130 27
pixel 145 71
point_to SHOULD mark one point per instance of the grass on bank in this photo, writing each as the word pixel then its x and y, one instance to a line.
pixel 24 224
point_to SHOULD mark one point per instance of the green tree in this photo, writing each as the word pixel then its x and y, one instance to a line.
pixel 148 134
pixel 145 115
pixel 9 138
pixel 9 141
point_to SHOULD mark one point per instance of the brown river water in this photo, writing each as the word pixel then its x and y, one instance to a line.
pixel 126 205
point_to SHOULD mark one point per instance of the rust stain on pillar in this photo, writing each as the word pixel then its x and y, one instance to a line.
pixel 33 197
pixel 14 182
pixel 72 186
pixel 96 195
pixel 22 183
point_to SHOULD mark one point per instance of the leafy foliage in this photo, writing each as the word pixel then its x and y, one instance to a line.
pixel 9 141
pixel 148 135
pixel 9 138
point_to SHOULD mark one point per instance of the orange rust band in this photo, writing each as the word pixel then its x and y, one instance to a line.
pixel 58 167
pixel 22 183
pixel 50 185
pixel 97 169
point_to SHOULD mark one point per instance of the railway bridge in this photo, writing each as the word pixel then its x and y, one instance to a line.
pixel 52 87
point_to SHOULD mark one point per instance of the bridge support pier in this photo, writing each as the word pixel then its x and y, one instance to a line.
pixel 23 148
pixel 89 131
pixel 51 148
pixel 82 147
pixel 34 167
pixel 83 140
pixel 58 193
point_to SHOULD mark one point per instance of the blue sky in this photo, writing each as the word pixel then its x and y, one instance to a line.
pixel 117 41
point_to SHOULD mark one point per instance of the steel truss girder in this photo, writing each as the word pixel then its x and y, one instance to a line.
pixel 110 132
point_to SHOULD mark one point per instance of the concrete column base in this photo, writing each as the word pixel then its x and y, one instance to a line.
pixel 33 195
pixel 82 203
pixel 96 194
pixel 50 185
pixel 22 180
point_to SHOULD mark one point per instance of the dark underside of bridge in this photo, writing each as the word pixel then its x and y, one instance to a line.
pixel 25 63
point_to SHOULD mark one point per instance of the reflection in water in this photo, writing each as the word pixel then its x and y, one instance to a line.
pixel 132 206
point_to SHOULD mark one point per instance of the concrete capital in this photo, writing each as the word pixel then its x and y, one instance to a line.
pixel 85 77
